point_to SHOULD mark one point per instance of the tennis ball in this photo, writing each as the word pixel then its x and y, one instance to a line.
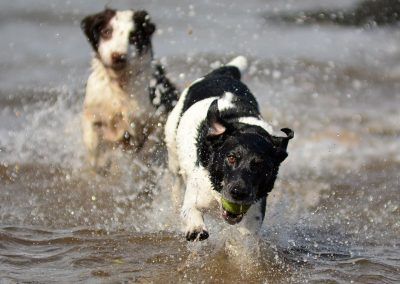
pixel 233 207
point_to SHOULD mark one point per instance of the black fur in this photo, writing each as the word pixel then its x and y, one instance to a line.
pixel 257 153
pixel 163 88
pixel 144 29
pixel 215 84
pixel 93 24
pixel 228 71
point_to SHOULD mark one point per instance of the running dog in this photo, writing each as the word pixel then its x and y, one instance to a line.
pixel 223 151
pixel 127 95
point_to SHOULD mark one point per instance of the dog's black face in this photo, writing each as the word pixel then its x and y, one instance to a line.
pixel 243 160
pixel 111 34
pixel 248 162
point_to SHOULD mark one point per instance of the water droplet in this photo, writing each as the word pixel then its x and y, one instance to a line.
pixel 276 74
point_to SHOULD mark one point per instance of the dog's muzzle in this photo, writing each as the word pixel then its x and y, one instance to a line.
pixel 233 212
pixel 119 60
pixel 231 218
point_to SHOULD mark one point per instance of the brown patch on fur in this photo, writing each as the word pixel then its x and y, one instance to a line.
pixel 93 24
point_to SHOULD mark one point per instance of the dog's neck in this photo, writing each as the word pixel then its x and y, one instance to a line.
pixel 132 80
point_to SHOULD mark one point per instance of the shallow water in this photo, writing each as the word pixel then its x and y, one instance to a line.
pixel 333 216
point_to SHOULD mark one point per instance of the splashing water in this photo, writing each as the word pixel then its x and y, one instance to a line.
pixel 332 216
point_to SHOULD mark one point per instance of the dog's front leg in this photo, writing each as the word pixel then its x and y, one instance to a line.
pixel 197 197
pixel 177 192
pixel 195 227
pixel 91 139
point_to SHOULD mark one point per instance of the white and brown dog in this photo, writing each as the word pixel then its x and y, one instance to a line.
pixel 126 93
pixel 223 151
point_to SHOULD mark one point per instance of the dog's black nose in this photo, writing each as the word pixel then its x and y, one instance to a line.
pixel 118 58
pixel 239 193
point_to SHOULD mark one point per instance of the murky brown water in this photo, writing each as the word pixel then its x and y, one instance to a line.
pixel 333 217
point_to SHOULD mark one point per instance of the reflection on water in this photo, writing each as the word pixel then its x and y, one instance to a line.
pixel 333 215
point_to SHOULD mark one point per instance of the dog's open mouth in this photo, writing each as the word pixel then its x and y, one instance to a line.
pixel 231 218
pixel 232 212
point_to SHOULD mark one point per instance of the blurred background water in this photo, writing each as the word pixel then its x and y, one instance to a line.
pixel 328 69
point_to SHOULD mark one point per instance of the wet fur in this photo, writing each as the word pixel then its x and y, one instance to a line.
pixel 119 109
pixel 216 117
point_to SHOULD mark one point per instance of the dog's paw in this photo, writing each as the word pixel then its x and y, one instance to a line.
pixel 198 233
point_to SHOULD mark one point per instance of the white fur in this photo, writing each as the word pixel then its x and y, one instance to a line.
pixel 225 102
pixel 122 25
pixel 171 127
pixel 187 133
pixel 240 62
pixel 170 140
pixel 170 133
pixel 256 121
pixel 198 197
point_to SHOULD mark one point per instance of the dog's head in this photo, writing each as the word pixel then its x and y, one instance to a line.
pixel 118 35
pixel 242 159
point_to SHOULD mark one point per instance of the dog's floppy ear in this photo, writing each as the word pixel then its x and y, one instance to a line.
pixel 215 124
pixel 143 23
pixel 93 24
pixel 281 144
pixel 144 28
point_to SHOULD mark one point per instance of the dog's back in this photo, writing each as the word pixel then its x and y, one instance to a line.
pixel 223 84
pixel 217 83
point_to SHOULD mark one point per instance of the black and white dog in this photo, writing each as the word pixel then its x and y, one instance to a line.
pixel 223 151
pixel 126 94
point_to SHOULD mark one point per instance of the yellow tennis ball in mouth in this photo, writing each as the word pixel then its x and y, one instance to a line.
pixel 233 207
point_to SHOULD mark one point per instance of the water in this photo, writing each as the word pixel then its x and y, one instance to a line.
pixel 333 215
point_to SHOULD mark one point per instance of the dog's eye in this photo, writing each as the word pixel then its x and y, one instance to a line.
pixel 106 33
pixel 231 159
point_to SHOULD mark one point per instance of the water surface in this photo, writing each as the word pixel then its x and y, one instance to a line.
pixel 333 216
